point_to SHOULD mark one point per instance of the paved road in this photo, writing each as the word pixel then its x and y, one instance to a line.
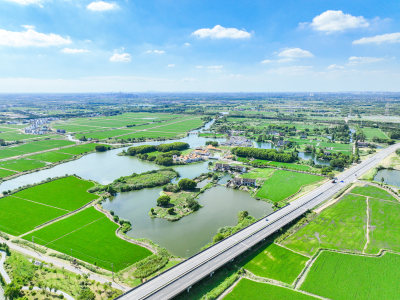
pixel 2 271
pixel 184 275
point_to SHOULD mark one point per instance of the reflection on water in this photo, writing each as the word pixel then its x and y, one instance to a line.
pixel 391 177
pixel 188 235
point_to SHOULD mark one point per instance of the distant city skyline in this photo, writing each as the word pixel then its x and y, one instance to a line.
pixel 68 46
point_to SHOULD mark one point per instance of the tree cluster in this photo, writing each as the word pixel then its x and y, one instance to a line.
pixel 266 154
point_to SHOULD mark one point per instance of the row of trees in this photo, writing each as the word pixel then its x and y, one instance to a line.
pixel 267 154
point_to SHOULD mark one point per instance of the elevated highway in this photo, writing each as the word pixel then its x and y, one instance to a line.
pixel 182 276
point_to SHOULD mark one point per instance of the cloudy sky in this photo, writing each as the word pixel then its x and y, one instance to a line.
pixel 199 45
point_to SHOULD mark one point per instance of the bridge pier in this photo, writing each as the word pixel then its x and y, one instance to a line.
pixel 211 274
pixel 188 289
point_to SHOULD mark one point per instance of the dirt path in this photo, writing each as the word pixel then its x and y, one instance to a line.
pixel 368 226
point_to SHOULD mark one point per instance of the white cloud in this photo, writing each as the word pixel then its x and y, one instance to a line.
pixel 220 32
pixel 26 2
pixel 171 65
pixel 74 51
pixel 155 51
pixel 335 67
pixel 354 60
pixel 187 44
pixel 30 37
pixel 389 38
pixel 267 61
pixel 335 20
pixel 120 57
pixel 292 53
pixel 101 6
pixel 214 67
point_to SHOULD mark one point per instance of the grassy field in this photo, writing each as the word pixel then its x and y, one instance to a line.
pixel 283 165
pixel 248 289
pixel 52 156
pixel 283 184
pixel 372 191
pixel 25 210
pixel 22 164
pixel 370 133
pixel 18 216
pixel 6 173
pixel 343 276
pixel 68 193
pixel 385 226
pixel 340 226
pixel 33 147
pixel 276 262
pixel 259 173
pixel 79 149
pixel 90 236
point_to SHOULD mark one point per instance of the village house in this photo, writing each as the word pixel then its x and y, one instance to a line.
pixel 229 168
pixel 238 181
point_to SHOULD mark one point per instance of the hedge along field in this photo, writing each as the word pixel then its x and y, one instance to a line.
pixel 68 193
pixel 18 216
pixel 283 184
pixel 344 276
pixel 52 156
pixel 341 226
pixel 22 164
pixel 372 191
pixel 276 262
pixel 249 289
pixel 385 226
pixel 90 236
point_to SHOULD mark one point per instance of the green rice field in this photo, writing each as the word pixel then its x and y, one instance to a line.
pixel 24 210
pixel 52 156
pixel 283 184
pixel 6 173
pixel 373 191
pixel 343 276
pixel 276 262
pixel 248 289
pixel 370 133
pixel 340 226
pixel 22 164
pixel 90 236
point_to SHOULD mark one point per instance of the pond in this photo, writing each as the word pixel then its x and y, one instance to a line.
pixel 391 177
pixel 188 235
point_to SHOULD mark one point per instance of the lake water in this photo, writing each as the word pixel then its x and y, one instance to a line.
pixel 391 177
pixel 188 235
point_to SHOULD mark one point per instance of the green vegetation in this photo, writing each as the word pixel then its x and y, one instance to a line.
pixel 290 166
pixel 90 236
pixel 372 191
pixel 187 184
pixel 81 149
pixel 248 289
pixel 371 133
pixel 276 262
pixel 385 226
pixel 52 156
pixel 144 180
pixel 344 276
pixel 282 184
pixel 340 226
pixel 22 165
pixel 68 193
pixel 6 173
pixel 24 210
pixel 266 154
pixel 25 273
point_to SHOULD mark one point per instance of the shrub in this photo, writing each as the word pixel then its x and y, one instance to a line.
pixel 163 200
pixel 187 184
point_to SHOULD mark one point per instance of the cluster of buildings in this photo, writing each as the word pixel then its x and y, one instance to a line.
pixel 196 155
pixel 229 168
pixel 39 126
pixel 237 141
pixel 238 181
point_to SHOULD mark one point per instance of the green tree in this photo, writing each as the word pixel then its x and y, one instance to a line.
pixel 187 184
pixel 12 291
pixel 86 294
pixel 163 200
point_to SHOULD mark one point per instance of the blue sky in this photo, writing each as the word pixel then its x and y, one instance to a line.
pixel 199 45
